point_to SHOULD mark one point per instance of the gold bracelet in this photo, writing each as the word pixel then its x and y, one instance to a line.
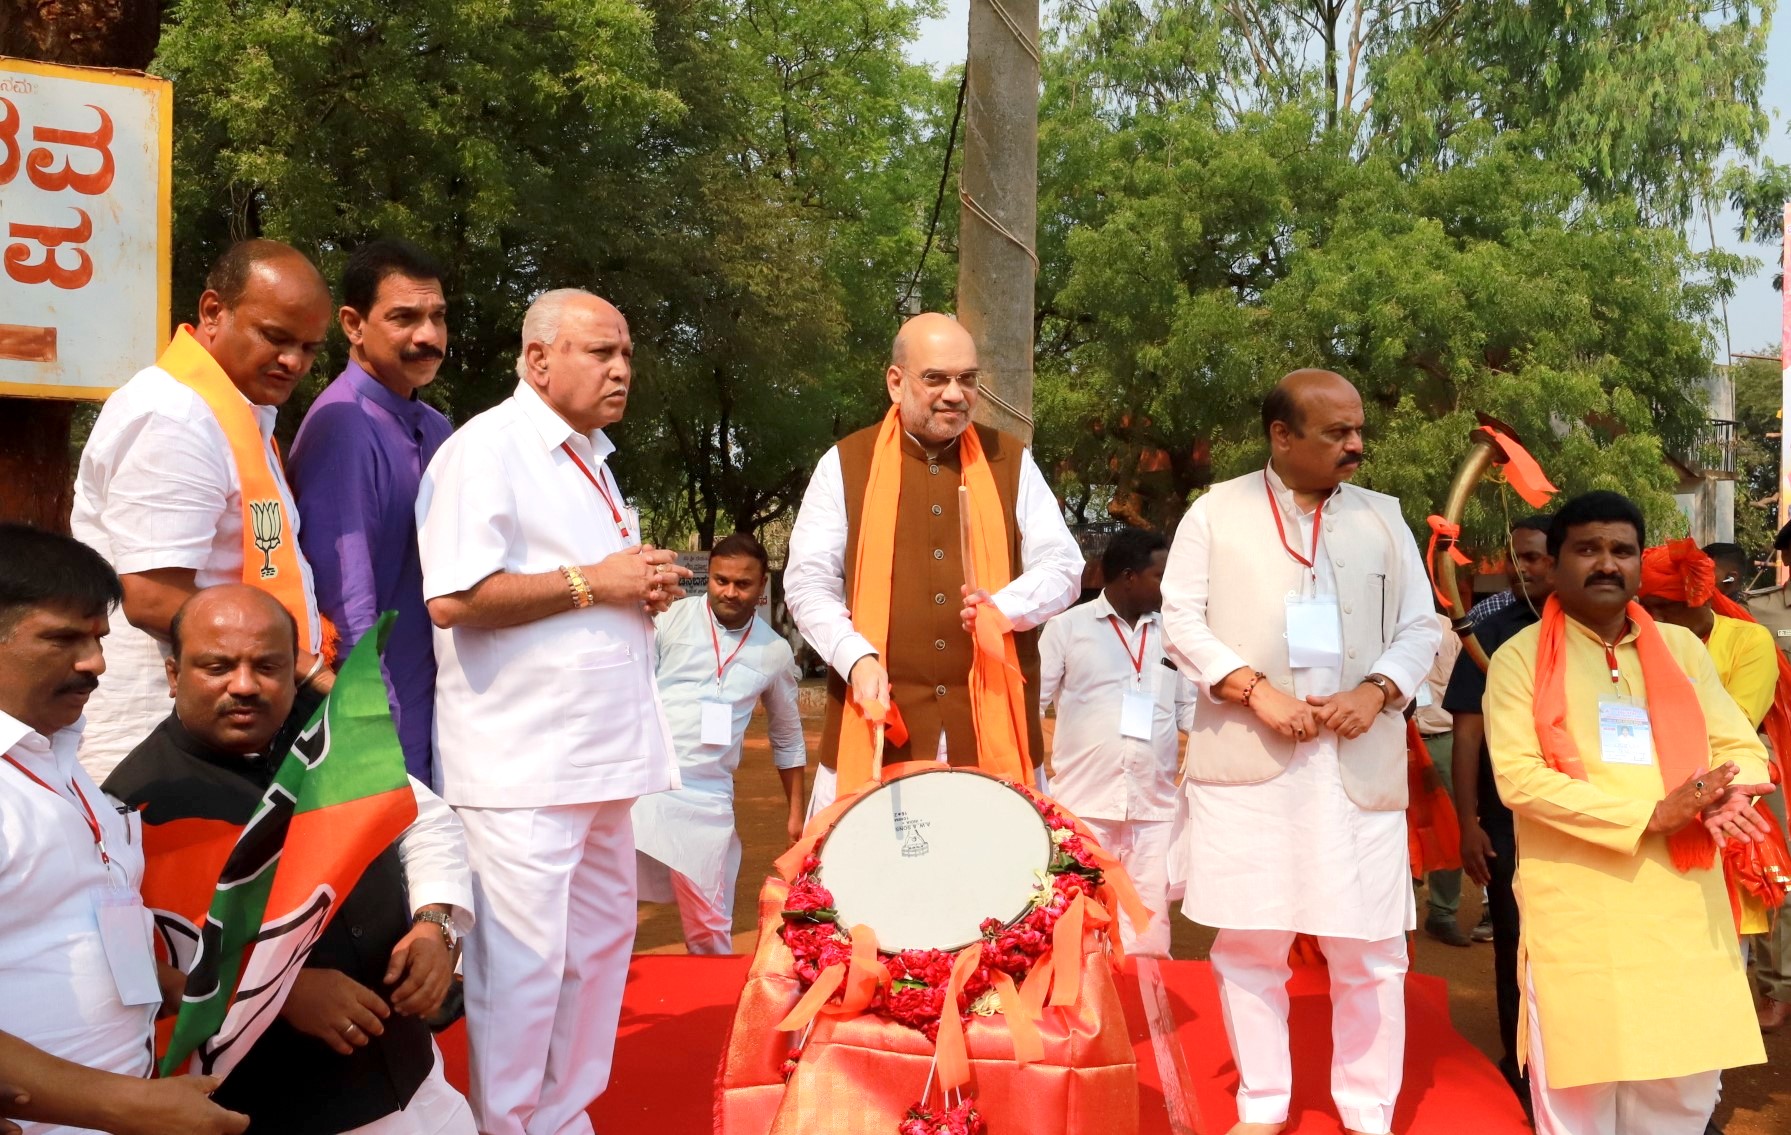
pixel 581 591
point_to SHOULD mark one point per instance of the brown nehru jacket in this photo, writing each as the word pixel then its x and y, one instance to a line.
pixel 929 654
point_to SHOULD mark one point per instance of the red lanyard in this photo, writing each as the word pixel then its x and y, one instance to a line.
pixel 614 512
pixel 93 826
pixel 714 638
pixel 1138 662
pixel 1318 519
pixel 1610 659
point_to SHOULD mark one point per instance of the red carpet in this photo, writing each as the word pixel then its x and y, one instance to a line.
pixel 677 1009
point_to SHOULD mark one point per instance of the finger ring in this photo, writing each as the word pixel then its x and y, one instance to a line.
pixel 351 1029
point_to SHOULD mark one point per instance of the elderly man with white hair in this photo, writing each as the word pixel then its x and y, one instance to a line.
pixel 548 723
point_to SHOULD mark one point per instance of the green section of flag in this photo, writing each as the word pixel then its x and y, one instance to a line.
pixel 348 751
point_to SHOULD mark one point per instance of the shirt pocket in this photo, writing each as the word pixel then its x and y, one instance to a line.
pixel 606 706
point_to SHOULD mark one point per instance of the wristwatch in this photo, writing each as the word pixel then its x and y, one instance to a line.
pixel 1385 685
pixel 445 923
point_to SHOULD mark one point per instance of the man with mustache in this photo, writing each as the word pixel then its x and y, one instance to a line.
pixel 877 583
pixel 78 976
pixel 180 484
pixel 1299 604
pixel 356 465
pixel 1627 765
pixel 351 1050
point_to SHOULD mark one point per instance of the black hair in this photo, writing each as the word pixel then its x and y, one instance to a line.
pixel 1732 552
pixel 180 616
pixel 1594 508
pixel 1281 406
pixel 370 264
pixel 44 569
pixel 1130 549
pixel 1535 522
pixel 741 544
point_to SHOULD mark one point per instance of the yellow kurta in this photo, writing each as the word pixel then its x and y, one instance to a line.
pixel 1636 967
pixel 1747 661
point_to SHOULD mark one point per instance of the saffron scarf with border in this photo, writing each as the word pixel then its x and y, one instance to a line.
pixel 1681 743
pixel 997 696
pixel 270 543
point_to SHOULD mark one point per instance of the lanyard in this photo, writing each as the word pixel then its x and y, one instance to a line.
pixel 1318 519
pixel 614 513
pixel 93 826
pixel 1138 662
pixel 715 639
pixel 1610 659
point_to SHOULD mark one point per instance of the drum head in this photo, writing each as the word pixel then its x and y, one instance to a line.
pixel 926 858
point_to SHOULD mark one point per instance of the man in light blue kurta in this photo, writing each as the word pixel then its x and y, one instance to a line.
pixel 717 660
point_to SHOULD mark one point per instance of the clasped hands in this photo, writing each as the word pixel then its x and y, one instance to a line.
pixel 1347 714
pixel 1725 808
pixel 642 574
pixel 344 1014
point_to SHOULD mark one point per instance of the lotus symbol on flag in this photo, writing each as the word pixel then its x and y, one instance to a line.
pixel 265 515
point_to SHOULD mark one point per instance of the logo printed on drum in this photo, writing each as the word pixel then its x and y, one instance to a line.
pixel 913 846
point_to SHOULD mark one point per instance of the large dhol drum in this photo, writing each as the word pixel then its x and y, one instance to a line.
pixel 925 859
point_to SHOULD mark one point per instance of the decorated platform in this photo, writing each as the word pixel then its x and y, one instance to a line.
pixel 676 1012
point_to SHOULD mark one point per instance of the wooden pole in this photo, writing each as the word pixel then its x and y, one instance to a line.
pixel 965 548
pixel 36 462
pixel 998 206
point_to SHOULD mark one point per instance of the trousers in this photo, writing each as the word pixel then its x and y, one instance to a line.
pixel 436 1109
pixel 546 962
pixel 1143 850
pixel 1367 1024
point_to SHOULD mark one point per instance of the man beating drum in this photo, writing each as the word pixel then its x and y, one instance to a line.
pixel 878 574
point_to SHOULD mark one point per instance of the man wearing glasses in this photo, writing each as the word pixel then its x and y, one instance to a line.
pixel 877 582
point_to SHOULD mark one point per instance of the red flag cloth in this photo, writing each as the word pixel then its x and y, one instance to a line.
pixel 1432 828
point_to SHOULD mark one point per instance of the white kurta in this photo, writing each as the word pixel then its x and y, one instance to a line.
pixel 691 830
pixel 1295 852
pixel 157 488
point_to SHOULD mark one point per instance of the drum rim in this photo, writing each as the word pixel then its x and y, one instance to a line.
pixel 1016 789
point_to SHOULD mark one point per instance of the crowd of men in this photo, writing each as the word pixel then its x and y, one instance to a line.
pixel 573 726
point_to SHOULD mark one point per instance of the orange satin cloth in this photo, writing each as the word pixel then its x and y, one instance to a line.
pixel 1432 829
pixel 997 695
pixel 859 1075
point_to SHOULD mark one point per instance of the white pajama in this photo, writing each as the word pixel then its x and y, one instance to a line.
pixel 435 1109
pixel 547 961
pixel 1143 850
pixel 1367 1024
pixel 708 920
pixel 1674 1105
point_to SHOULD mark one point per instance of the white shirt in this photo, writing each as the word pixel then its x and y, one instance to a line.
pixel 692 830
pixel 56 986
pixel 815 571
pixel 562 710
pixel 1089 660
pixel 157 488
pixel 433 853
pixel 1295 852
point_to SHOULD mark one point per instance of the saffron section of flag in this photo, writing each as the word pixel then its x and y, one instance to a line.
pixel 340 797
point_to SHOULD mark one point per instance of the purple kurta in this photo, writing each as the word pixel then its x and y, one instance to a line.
pixel 354 468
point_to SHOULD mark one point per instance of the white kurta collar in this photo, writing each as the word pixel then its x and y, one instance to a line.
pixel 556 431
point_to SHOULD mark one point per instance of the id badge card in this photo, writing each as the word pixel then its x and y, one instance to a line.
pixel 1423 700
pixel 1314 633
pixel 1624 735
pixel 718 722
pixel 124 935
pixel 1137 711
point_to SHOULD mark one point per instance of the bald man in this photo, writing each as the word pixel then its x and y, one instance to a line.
pixel 180 486
pixel 1299 603
pixel 921 654
pixel 350 1051
pixel 548 723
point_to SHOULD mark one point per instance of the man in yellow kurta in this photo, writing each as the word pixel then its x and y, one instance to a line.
pixel 1625 762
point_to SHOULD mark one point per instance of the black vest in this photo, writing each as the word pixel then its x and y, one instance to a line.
pixel 289 1083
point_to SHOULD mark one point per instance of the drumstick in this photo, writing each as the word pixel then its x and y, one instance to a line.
pixel 964 543
pixel 877 756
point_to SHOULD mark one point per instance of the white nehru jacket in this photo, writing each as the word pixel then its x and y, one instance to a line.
pixel 562 710
pixel 157 488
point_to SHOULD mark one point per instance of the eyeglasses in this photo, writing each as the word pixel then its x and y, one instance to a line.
pixel 940 379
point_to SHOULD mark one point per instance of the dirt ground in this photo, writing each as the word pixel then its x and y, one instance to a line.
pixel 1756 1101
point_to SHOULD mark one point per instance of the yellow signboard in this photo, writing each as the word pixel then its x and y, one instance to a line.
pixel 86 238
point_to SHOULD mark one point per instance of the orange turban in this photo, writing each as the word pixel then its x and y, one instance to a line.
pixel 1679 573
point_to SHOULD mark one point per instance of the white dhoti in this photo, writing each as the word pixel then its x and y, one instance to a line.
pixel 1295 854
pixel 435 1109
pixel 546 961
pixel 1143 850
pixel 1676 1105
pixel 690 854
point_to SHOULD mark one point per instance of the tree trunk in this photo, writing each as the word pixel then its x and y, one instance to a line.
pixel 999 222
pixel 36 465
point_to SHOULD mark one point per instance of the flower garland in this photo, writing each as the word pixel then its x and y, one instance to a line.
pixel 918 979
